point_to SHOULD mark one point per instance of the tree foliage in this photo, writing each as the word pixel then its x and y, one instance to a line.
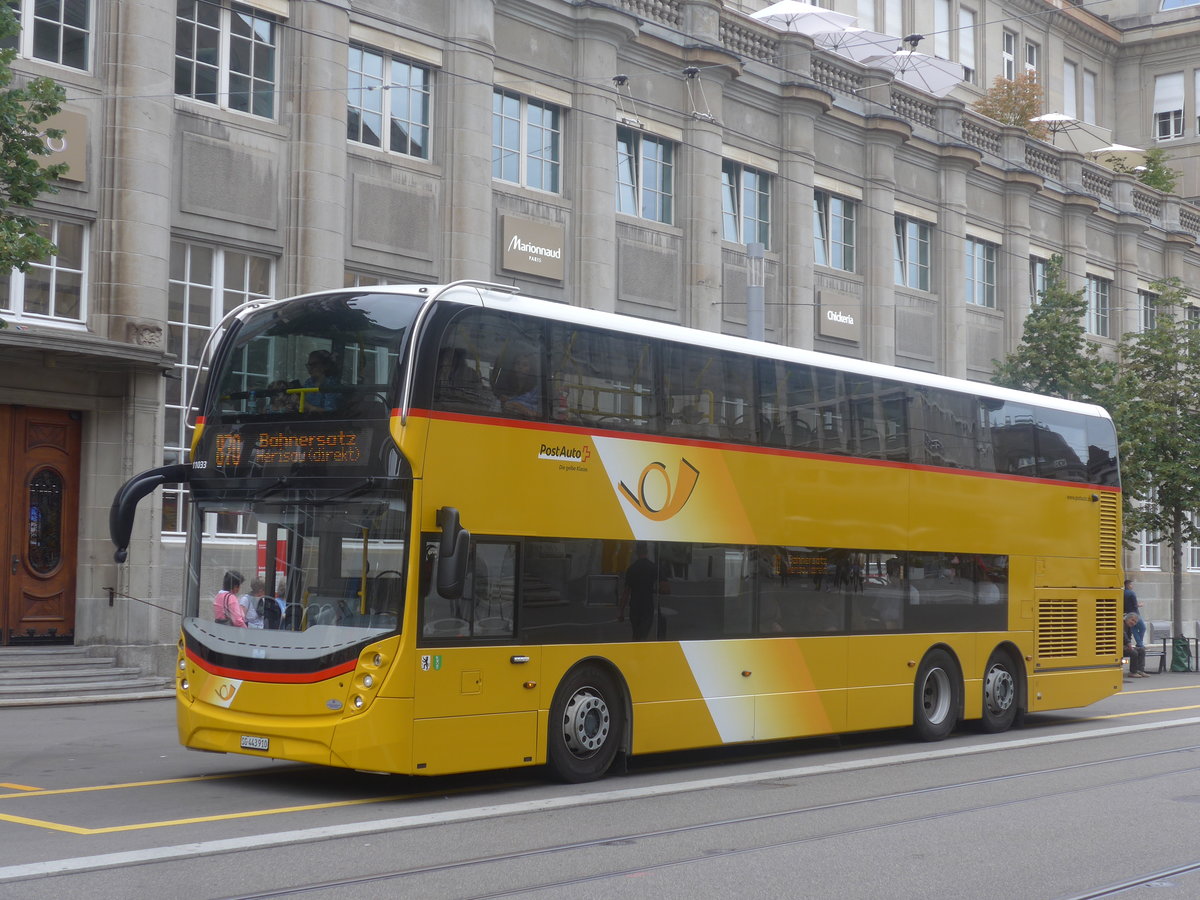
pixel 24 107
pixel 1155 402
pixel 1014 101
pixel 1153 171
pixel 1054 357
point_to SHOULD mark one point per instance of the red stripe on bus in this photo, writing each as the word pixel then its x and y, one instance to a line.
pixel 273 677
pixel 438 415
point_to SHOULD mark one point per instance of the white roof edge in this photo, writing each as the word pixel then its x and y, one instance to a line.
pixel 498 298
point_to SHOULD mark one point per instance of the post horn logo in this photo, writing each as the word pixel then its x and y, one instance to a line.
pixel 677 496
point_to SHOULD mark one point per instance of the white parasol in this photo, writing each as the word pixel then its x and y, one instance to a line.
pixel 931 74
pixel 802 18
pixel 857 43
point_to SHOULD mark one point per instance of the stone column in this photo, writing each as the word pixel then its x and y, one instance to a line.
pixel 877 232
pixel 315 238
pixel 129 296
pixel 698 207
pixel 601 32
pixel 1019 188
pixel 802 104
pixel 949 261
pixel 470 70
pixel 131 281
pixel 1125 286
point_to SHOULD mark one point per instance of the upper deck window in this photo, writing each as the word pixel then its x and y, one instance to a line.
pixel 332 356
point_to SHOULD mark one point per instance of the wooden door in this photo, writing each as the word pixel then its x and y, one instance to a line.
pixel 39 524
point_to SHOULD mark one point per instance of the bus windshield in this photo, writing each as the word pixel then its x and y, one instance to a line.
pixel 334 356
pixel 317 576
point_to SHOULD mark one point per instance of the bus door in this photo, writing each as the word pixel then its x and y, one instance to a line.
pixel 475 697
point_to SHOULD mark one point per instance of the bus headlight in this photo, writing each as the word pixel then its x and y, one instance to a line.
pixel 368 681
pixel 357 702
pixel 184 684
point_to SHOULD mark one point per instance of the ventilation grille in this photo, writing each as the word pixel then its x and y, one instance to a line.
pixel 1108 625
pixel 1110 531
pixel 1058 629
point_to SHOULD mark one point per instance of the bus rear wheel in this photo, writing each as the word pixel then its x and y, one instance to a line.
pixel 935 697
pixel 1001 694
pixel 586 725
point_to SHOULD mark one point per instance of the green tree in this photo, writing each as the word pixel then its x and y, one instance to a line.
pixel 24 106
pixel 1054 356
pixel 1155 403
pixel 1014 101
pixel 1152 171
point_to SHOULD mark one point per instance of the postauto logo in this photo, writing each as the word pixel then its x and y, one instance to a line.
pixel 565 453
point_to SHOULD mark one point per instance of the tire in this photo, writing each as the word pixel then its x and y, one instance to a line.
pixel 1001 693
pixel 935 697
pixel 587 722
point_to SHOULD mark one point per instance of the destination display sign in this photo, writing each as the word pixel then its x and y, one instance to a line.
pixel 292 448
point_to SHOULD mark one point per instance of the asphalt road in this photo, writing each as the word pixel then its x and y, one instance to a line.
pixel 99 801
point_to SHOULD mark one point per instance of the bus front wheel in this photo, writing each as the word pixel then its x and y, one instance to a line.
pixel 586 725
pixel 935 697
pixel 1001 694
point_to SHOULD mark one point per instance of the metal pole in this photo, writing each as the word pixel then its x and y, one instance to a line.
pixel 756 279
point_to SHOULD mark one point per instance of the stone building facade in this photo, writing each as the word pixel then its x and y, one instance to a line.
pixel 222 151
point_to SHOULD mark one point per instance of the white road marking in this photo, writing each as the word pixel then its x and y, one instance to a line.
pixel 354 829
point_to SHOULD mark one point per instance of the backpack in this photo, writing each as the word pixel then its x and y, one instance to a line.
pixel 268 611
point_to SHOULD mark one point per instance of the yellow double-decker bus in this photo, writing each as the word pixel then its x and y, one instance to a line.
pixel 502 532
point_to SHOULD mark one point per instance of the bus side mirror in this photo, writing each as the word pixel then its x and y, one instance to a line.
pixel 452 555
pixel 120 515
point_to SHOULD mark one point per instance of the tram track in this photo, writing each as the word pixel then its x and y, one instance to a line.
pixel 477 864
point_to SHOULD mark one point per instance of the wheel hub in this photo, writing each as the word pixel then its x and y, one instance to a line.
pixel 586 722
pixel 999 690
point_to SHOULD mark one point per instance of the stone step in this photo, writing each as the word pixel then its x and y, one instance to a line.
pixel 33 676
pixel 67 674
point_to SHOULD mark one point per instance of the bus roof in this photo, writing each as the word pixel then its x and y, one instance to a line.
pixel 498 296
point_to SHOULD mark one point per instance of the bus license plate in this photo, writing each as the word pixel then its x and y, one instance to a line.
pixel 249 742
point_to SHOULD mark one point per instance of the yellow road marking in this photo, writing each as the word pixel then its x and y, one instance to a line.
pixel 16 787
pixel 111 829
pixel 38 792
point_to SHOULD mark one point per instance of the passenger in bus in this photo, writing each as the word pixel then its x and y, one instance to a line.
pixel 457 384
pixel 280 400
pixel 322 373
pixel 251 603
pixel 517 387
pixel 226 608
pixel 641 580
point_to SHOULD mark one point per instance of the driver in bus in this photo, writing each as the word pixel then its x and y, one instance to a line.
pixel 517 387
pixel 322 373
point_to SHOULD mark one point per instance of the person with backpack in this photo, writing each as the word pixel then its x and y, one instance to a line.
pixel 270 611
pixel 227 610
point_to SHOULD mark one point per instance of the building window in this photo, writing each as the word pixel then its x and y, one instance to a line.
pixel 981 273
pixel 383 89
pixel 1147 310
pixel 1098 305
pixel 1070 104
pixel 526 141
pixel 913 241
pixel 1150 543
pixel 1032 52
pixel 1168 106
pixel 225 54
pixel 645 176
pixel 54 287
pixel 879 15
pixel 1089 97
pixel 1008 55
pixel 835 231
pixel 966 43
pixel 941 28
pixel 56 32
pixel 1192 553
pixel 745 204
pixel 1037 279
pixel 205 283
